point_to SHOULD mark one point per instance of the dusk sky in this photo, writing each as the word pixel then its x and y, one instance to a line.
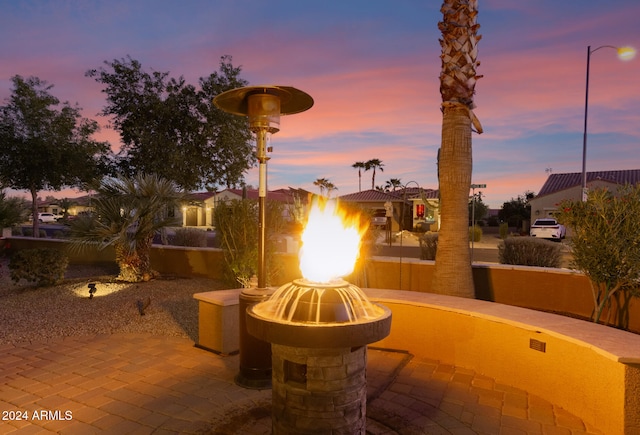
pixel 372 68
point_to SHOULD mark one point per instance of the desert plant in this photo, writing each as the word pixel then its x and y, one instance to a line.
pixel 129 212
pixel 12 211
pixel 190 237
pixel 428 246
pixel 504 230
pixel 605 241
pixel 475 233
pixel 43 266
pixel 28 232
pixel 237 224
pixel 59 234
pixel 529 251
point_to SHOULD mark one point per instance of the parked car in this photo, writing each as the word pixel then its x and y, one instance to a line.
pixel 379 217
pixel 45 217
pixel 548 228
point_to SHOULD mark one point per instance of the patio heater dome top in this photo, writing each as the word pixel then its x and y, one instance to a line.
pixel 236 101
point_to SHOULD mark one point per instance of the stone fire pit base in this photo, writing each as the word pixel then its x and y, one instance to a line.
pixel 319 390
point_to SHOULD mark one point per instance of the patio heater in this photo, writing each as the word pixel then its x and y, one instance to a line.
pixel 263 105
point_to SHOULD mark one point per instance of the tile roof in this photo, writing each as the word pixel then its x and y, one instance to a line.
pixel 371 196
pixel 557 182
pixel 200 196
pixel 397 195
pixel 418 192
pixel 281 195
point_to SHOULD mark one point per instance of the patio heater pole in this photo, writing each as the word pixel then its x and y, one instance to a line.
pixel 263 105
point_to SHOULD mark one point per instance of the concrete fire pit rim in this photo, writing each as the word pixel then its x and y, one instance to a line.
pixel 321 335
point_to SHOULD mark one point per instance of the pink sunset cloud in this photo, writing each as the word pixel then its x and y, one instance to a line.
pixel 372 70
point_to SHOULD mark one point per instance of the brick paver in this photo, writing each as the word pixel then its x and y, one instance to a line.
pixel 139 384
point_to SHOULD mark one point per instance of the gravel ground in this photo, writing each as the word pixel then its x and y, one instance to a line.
pixel 32 314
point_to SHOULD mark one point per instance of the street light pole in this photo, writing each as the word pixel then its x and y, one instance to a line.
pixel 584 136
pixel 624 53
pixel 473 213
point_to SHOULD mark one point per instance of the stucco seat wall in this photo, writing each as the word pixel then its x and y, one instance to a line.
pixel 590 370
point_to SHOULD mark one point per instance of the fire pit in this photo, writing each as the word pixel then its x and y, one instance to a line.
pixel 318 332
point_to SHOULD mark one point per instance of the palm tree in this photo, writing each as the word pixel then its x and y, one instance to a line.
pixel 373 164
pixel 330 188
pixel 453 274
pixel 392 184
pixel 359 166
pixel 128 213
pixel 322 184
pixel 65 205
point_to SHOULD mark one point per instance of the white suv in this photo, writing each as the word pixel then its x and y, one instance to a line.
pixel 548 228
pixel 46 217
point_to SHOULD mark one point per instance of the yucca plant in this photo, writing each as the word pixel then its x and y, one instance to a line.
pixel 458 77
pixel 127 214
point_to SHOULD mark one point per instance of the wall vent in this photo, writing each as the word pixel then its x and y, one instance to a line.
pixel 538 345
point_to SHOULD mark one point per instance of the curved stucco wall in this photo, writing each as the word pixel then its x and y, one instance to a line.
pixel 590 370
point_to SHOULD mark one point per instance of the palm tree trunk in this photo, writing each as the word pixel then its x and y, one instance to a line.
pixel 453 274
pixel 135 265
pixel 34 212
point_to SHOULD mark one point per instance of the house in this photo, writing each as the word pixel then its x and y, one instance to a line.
pixel 559 187
pixel 198 211
pixel 414 206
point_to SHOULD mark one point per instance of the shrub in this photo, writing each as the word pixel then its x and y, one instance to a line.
pixel 475 233
pixel 190 237
pixel 59 234
pixel 529 251
pixel 605 245
pixel 17 231
pixel 28 232
pixel 428 246
pixel 422 227
pixel 504 230
pixel 43 266
pixel 237 224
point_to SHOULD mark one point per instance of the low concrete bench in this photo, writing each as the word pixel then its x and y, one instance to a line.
pixel 218 321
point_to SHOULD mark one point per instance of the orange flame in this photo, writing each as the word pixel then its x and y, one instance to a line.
pixel 330 243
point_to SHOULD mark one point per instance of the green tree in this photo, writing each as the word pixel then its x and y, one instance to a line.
pixel 359 166
pixel 65 204
pixel 373 164
pixel 170 128
pixel 458 78
pixel 12 211
pixel 44 146
pixel 605 242
pixel 237 224
pixel 481 209
pixel 516 211
pixel 128 213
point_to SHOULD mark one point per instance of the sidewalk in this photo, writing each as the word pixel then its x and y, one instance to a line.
pixel 142 384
